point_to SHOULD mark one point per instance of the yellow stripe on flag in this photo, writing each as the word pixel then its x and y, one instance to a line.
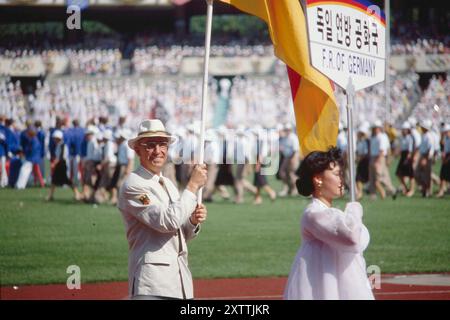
pixel 316 112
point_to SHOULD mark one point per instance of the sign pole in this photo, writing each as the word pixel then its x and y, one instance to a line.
pixel 209 15
pixel 387 11
pixel 350 92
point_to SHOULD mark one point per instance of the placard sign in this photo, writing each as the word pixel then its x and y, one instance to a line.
pixel 347 41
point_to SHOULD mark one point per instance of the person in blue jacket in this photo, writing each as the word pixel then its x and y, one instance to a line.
pixel 75 141
pixel 40 134
pixel 31 148
pixel 12 137
pixel 13 157
pixel 3 154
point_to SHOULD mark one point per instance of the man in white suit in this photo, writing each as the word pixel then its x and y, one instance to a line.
pixel 159 220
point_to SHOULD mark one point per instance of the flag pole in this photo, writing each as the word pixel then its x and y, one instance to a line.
pixel 209 14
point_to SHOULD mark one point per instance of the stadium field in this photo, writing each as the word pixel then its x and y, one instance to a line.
pixel 41 239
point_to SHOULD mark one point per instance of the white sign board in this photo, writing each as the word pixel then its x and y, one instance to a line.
pixel 347 41
pixel 221 66
pixel 22 66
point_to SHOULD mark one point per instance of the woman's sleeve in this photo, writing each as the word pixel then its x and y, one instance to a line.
pixel 338 229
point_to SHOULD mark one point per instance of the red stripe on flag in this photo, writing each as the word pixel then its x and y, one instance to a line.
pixel 294 80
pixel 363 5
pixel 332 85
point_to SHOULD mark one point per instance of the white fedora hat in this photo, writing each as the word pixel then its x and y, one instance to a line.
pixel 120 133
pixel 150 128
pixel 377 124
pixel 446 128
pixel 364 129
pixel 91 130
pixel 58 134
pixel 406 126
pixel 426 124
pixel 412 121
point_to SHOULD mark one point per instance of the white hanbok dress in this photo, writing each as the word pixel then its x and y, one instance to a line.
pixel 330 264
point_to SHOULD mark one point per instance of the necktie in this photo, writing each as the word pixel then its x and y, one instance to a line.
pixel 161 182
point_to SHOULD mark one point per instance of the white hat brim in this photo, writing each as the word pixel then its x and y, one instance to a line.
pixel 425 126
pixel 132 142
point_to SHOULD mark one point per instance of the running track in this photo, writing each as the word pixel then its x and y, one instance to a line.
pixel 215 289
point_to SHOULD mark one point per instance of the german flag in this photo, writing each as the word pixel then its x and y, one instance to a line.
pixel 316 111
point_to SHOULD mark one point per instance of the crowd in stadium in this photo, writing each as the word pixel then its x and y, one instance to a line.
pixel 31 118
pixel 81 99
pixel 420 46
pixel 163 54
pixel 167 60
pixel 410 37
pixel 94 158
pixel 82 61
pixel 179 100
pixel 252 97
pixel 434 102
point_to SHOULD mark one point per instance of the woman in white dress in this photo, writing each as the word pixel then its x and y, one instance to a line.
pixel 330 262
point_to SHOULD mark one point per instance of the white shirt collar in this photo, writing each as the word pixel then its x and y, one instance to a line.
pixel 153 176
pixel 320 202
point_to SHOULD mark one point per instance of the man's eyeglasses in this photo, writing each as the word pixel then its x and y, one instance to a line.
pixel 152 145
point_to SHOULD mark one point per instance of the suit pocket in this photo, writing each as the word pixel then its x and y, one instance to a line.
pixel 155 275
pixel 157 259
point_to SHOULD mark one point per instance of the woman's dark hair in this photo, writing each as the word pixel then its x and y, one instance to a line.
pixel 315 163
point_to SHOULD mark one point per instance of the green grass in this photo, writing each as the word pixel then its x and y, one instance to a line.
pixel 39 240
